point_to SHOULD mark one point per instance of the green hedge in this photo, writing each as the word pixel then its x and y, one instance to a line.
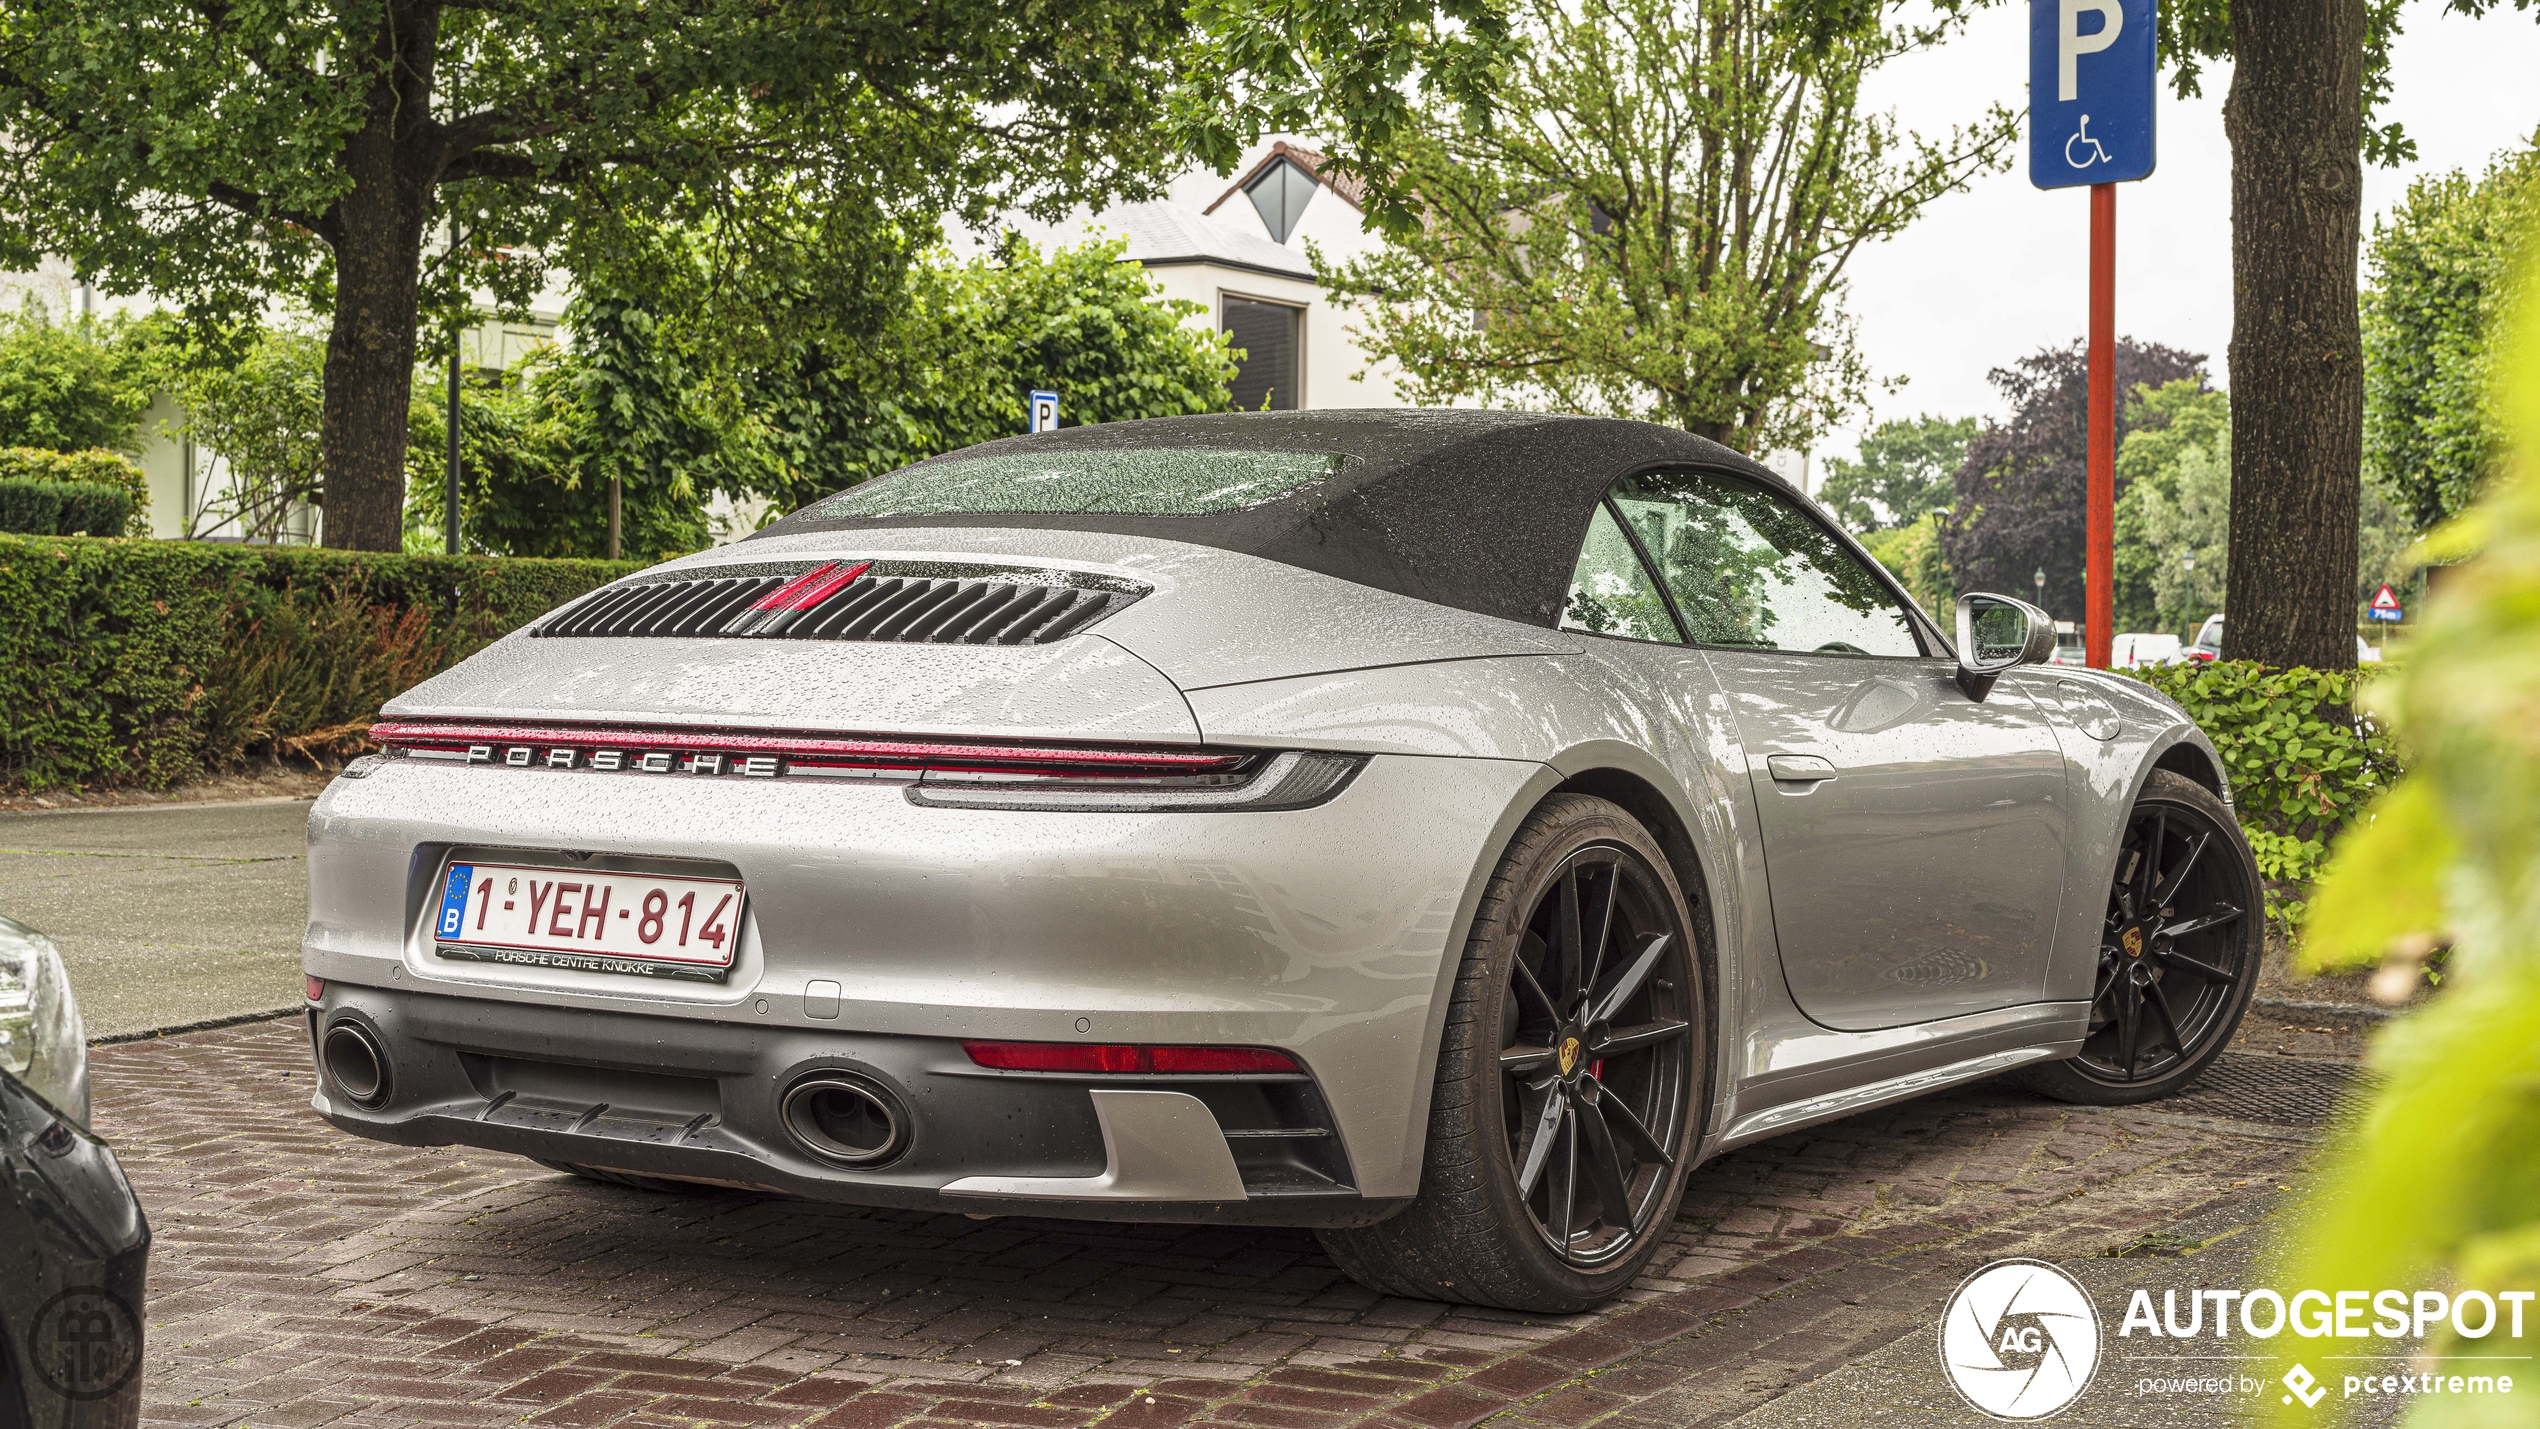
pixel 2302 758
pixel 96 467
pixel 152 662
pixel 62 508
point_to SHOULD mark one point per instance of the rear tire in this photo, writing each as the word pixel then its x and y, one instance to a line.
pixel 2180 945
pixel 1569 1086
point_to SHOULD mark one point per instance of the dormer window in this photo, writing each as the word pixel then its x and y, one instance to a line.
pixel 1280 192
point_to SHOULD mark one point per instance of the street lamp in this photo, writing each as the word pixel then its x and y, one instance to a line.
pixel 450 463
pixel 2039 580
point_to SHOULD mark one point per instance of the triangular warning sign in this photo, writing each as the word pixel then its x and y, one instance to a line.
pixel 2385 599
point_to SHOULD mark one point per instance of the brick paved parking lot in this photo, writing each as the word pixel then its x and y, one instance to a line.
pixel 302 1277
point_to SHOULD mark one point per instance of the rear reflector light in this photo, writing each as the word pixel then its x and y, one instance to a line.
pixel 462 737
pixel 317 988
pixel 1115 1057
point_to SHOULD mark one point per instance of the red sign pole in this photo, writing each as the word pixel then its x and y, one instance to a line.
pixel 2099 568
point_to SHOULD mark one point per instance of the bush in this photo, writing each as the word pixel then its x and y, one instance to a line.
pixel 2431 1181
pixel 2441 270
pixel 79 384
pixel 62 508
pixel 306 676
pixel 151 662
pixel 2301 759
pixel 95 467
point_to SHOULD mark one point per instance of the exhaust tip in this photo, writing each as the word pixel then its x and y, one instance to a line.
pixel 845 1120
pixel 355 1063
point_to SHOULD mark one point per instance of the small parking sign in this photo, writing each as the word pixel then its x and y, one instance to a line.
pixel 2092 79
pixel 1045 411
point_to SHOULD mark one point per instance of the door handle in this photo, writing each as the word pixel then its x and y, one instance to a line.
pixel 1799 768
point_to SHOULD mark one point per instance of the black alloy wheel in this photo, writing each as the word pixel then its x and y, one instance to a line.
pixel 1573 1068
pixel 1593 1038
pixel 2178 952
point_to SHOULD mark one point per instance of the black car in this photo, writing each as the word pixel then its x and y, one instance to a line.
pixel 74 1247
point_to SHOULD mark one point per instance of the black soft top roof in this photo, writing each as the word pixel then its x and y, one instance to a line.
pixel 1483 511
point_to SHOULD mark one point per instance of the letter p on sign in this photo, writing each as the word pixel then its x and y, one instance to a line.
pixel 2071 44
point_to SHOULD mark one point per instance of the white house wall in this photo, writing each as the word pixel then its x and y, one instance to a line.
pixel 163 457
pixel 1331 359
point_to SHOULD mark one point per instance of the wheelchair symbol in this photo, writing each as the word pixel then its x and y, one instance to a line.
pixel 2080 137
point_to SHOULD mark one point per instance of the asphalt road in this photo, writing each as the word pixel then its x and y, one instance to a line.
pixel 167 916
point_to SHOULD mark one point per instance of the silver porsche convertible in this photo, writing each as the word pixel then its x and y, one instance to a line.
pixel 1441 829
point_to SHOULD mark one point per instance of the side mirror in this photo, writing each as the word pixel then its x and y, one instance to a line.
pixel 1995 633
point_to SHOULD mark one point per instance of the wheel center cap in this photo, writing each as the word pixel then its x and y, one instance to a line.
pixel 1568 1055
pixel 2132 941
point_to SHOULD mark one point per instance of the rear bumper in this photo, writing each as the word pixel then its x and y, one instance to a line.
pixel 626 1092
pixel 887 932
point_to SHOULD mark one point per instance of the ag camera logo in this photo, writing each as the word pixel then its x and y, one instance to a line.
pixel 2019 1340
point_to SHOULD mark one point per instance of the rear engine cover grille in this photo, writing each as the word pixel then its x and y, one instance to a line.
pixel 896 601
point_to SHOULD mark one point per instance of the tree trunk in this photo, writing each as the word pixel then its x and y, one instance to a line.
pixel 2295 121
pixel 370 357
pixel 376 230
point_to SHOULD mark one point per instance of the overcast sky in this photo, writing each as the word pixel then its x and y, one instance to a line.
pixel 1999 271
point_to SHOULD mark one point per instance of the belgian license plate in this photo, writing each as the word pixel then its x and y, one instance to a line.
pixel 647 924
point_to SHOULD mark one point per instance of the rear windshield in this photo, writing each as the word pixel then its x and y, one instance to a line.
pixel 1164 482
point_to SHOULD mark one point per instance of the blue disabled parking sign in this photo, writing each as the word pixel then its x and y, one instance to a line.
pixel 2091 81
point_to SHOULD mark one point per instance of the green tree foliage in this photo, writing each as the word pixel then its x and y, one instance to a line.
pixel 2309 84
pixel 2174 503
pixel 1657 223
pixel 261 415
pixel 1912 552
pixel 1903 472
pixel 72 386
pixel 2185 546
pixel 2432 1184
pixel 2440 270
pixel 2019 494
pixel 625 398
pixel 535 466
pixel 2385 548
pixel 223 154
pixel 975 339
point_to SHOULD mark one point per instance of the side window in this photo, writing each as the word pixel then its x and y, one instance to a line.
pixel 1610 590
pixel 1751 571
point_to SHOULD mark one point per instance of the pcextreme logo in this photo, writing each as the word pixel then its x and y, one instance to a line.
pixel 2019 1340
pixel 2305 1385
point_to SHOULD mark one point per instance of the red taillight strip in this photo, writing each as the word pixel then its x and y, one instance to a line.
pixel 1117 1057
pixel 436 735
pixel 811 587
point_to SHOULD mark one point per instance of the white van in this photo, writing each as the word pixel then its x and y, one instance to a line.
pixel 2135 649
pixel 2208 644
